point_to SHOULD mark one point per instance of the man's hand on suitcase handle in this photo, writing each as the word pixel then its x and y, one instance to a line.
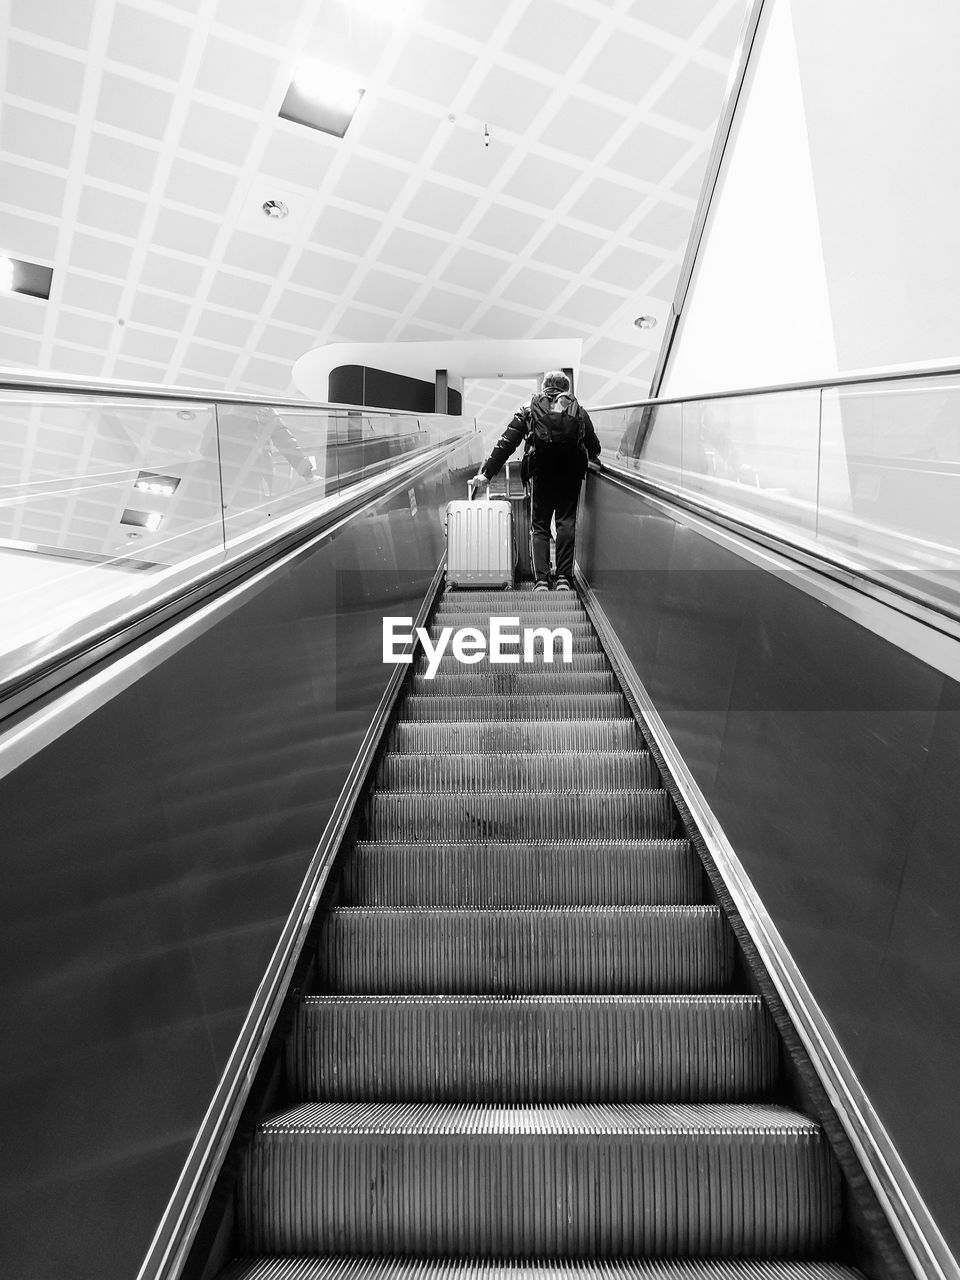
pixel 479 481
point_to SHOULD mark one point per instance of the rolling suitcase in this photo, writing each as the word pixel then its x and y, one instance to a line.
pixel 520 504
pixel 480 549
pixel 504 485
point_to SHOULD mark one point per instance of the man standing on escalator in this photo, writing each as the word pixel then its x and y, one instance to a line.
pixel 560 439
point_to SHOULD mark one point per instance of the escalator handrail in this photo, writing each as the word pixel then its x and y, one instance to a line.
pixel 949 370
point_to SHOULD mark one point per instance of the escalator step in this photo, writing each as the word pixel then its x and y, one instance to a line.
pixel 578 624
pixel 515 706
pixel 519 815
pixel 580 627
pixel 548 1181
pixel 506 603
pixel 555 680
pixel 526 771
pixel 359 1268
pixel 581 660
pixel 516 735
pixel 718 1048
pixel 525 951
pixel 616 874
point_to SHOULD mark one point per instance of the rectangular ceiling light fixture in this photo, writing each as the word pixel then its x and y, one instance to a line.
pixel 142 519
pixel 17 276
pixel 150 482
pixel 322 97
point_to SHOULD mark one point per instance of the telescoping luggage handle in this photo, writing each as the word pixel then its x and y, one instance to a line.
pixel 472 488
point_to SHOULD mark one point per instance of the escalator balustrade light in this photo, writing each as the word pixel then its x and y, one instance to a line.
pixel 150 482
pixel 150 520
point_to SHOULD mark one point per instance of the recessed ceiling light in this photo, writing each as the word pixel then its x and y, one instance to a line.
pixel 18 276
pixel 150 482
pixel 646 322
pixel 275 209
pixel 142 519
pixel 322 96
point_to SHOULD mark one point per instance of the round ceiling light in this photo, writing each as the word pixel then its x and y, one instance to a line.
pixel 646 322
pixel 275 209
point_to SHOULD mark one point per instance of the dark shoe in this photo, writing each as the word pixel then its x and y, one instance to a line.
pixel 542 586
pixel 563 585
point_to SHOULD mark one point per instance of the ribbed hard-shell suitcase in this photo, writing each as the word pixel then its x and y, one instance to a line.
pixel 522 531
pixel 479 543
pixel 505 485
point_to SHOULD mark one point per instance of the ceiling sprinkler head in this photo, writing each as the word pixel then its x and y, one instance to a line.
pixel 275 209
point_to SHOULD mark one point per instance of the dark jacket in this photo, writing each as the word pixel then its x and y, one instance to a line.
pixel 519 428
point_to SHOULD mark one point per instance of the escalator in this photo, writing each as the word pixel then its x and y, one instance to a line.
pixel 530 1047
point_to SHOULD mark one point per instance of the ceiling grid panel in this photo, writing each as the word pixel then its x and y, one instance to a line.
pixel 130 340
pixel 138 139
pixel 449 245
pixel 520 146
pixel 73 185
pixel 235 223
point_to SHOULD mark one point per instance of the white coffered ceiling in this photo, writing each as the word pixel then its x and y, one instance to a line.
pixel 140 138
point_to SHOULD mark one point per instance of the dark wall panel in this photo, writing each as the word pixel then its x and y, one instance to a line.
pixel 831 759
pixel 358 384
pixel 151 856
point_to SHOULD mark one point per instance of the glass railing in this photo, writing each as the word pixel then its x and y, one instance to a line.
pixel 864 470
pixel 109 498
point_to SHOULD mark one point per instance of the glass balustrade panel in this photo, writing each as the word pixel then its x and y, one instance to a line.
pixel 108 500
pixel 98 495
pixel 890 479
pixel 756 454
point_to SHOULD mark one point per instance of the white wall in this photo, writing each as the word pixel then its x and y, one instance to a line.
pixel 831 245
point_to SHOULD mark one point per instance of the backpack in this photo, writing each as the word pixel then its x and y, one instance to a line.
pixel 564 430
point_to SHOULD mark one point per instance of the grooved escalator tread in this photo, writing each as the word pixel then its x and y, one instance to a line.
pixel 387 1268
pixel 527 770
pixel 503 951
pixel 514 706
pixel 532 1181
pixel 582 659
pixel 555 679
pixel 716 1048
pixel 521 873
pixel 430 736
pixel 579 625
pixel 515 815
pixel 506 601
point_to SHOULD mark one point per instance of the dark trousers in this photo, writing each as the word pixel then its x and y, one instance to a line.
pixel 554 491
